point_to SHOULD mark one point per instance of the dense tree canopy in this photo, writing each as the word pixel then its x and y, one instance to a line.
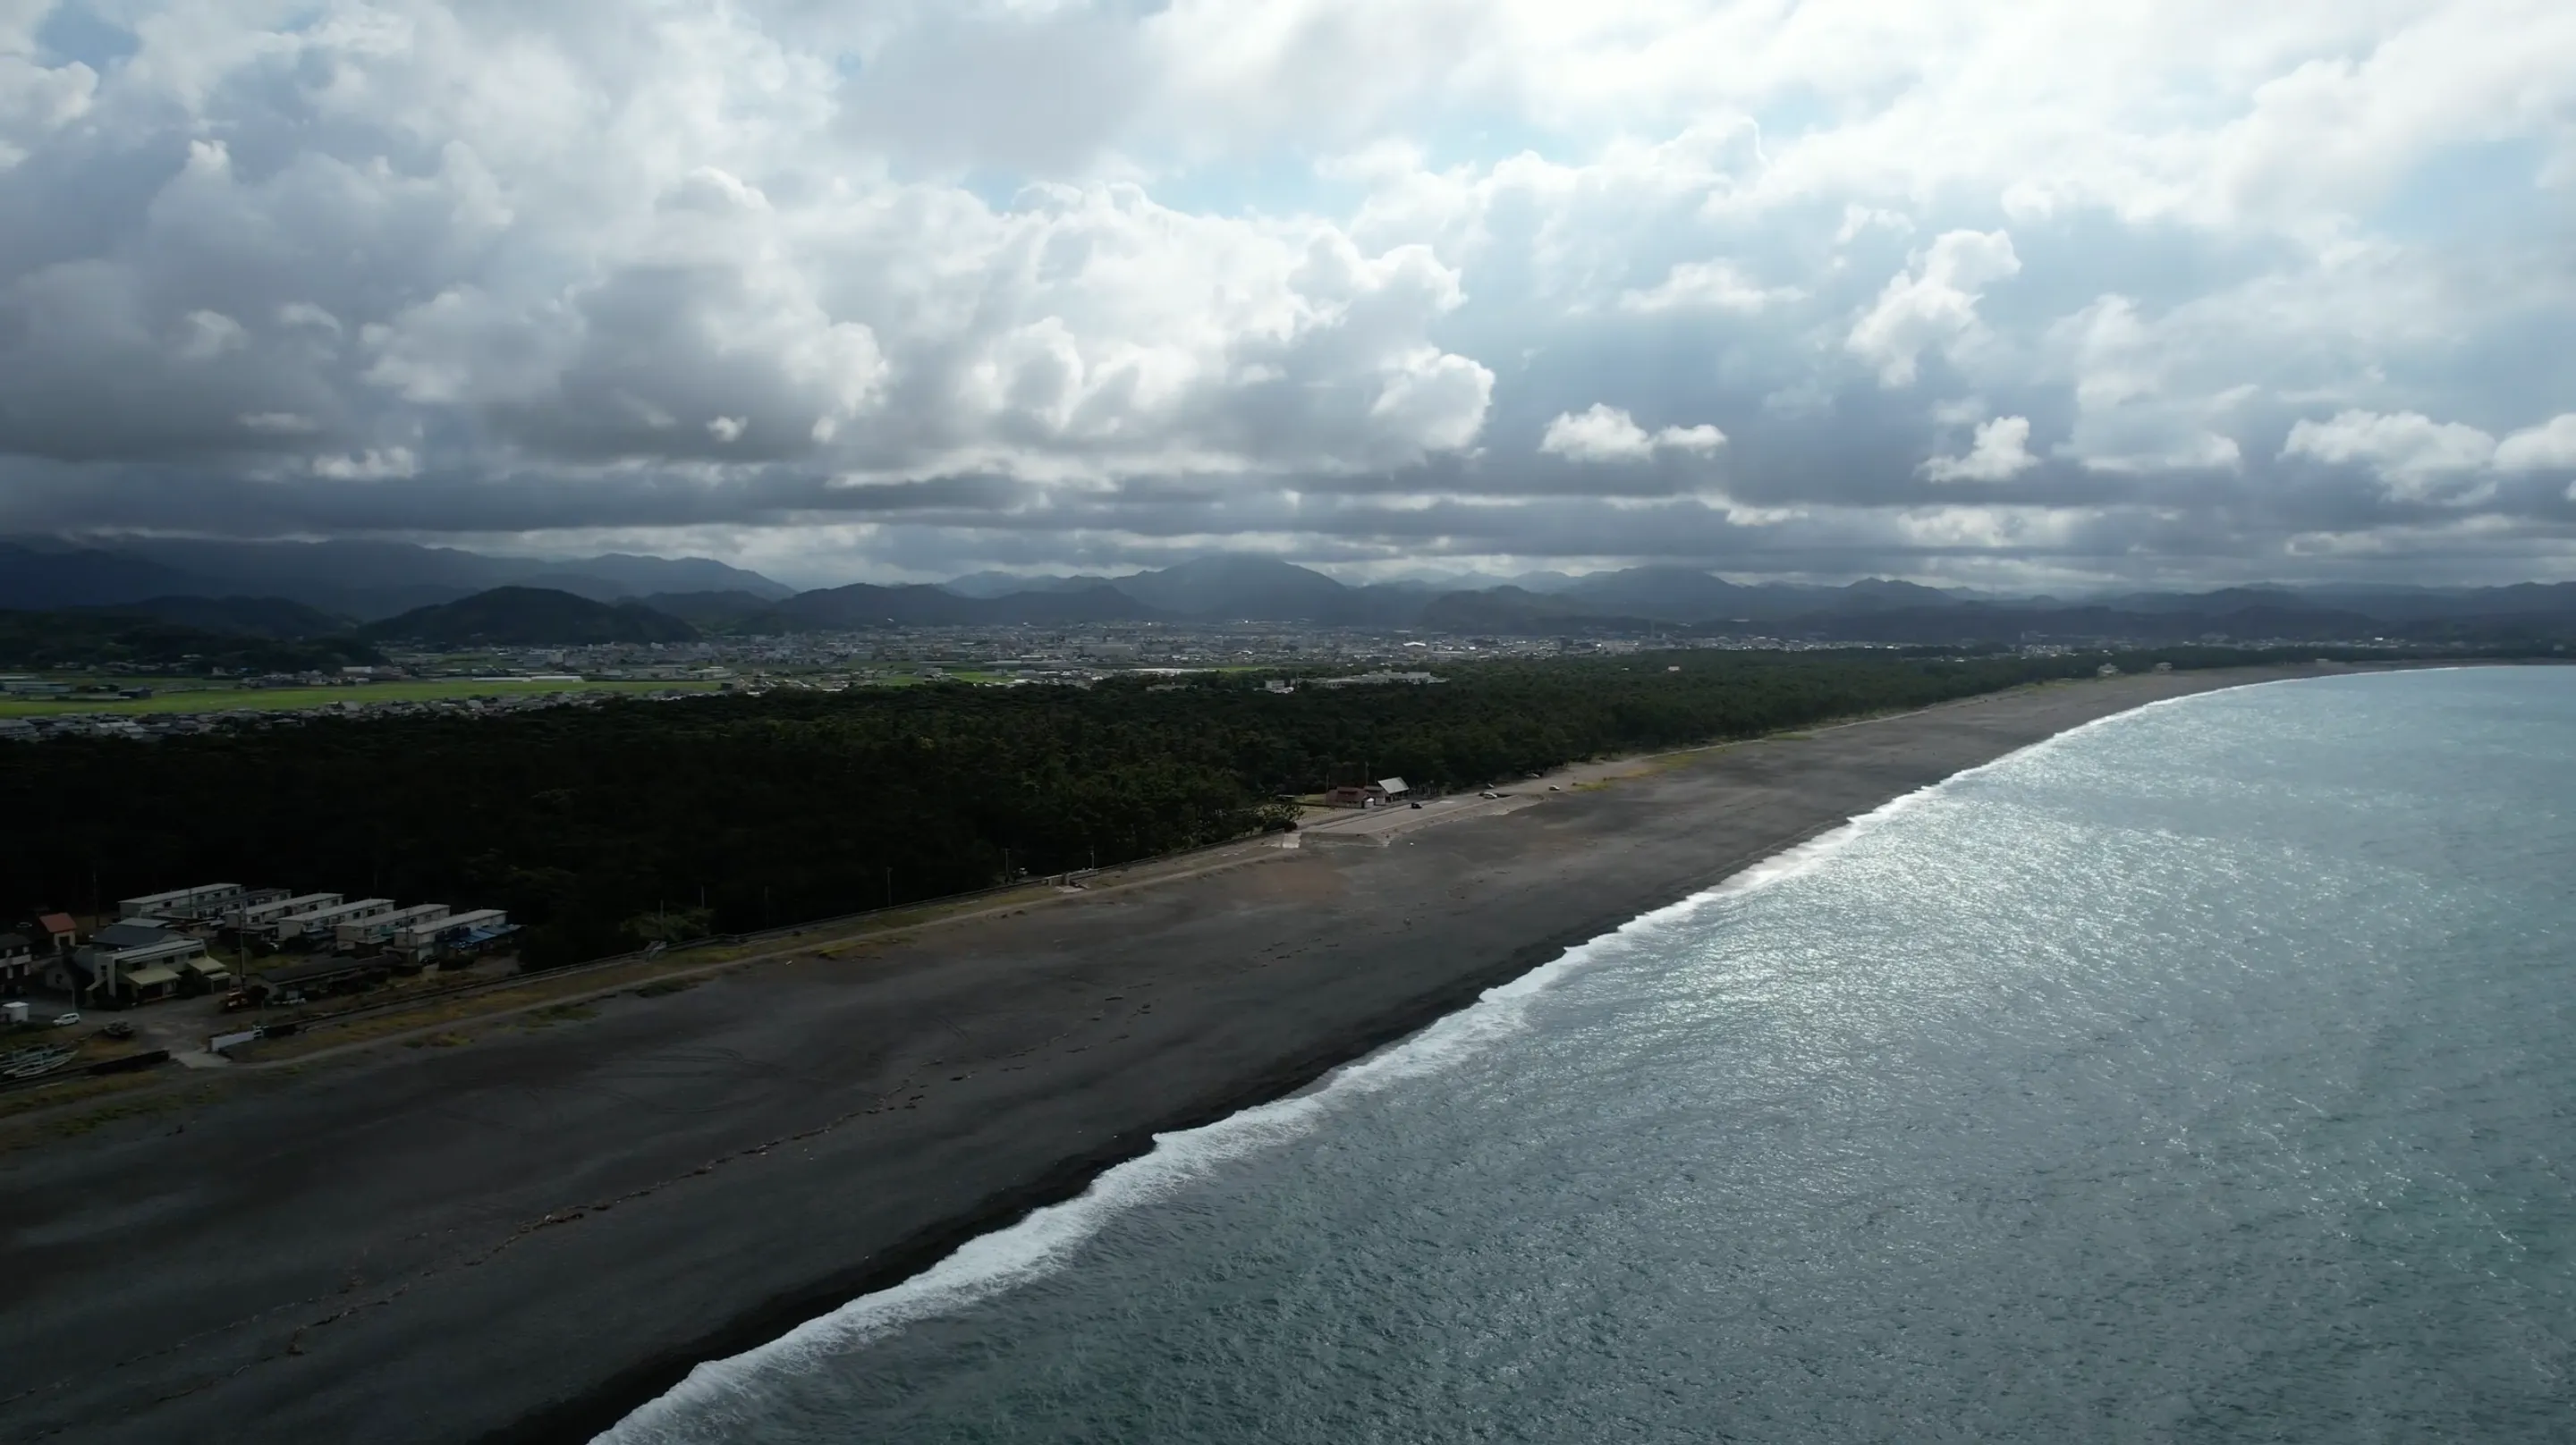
pixel 771 809
pixel 108 636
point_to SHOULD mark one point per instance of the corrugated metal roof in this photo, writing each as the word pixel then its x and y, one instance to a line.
pixel 1393 785
pixel 132 935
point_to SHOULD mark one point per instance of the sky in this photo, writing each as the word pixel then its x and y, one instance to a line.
pixel 1992 294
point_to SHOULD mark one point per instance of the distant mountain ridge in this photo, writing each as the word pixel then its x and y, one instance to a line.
pixel 1648 599
pixel 38 578
pixel 365 580
pixel 305 590
pixel 271 617
pixel 707 611
pixel 862 606
pixel 528 617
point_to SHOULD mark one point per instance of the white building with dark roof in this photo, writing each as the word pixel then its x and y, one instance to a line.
pixel 379 927
pixel 322 921
pixel 203 901
pixel 137 963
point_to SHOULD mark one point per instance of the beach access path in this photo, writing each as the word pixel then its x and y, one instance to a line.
pixel 520 1230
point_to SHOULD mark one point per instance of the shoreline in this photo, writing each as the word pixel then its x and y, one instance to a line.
pixel 1320 1086
pixel 1066 1183
pixel 783 1145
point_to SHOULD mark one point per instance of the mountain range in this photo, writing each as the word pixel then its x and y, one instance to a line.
pixel 398 592
pixel 528 617
pixel 364 581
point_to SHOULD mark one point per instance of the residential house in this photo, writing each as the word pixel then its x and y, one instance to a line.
pixel 66 973
pixel 59 929
pixel 17 963
pixel 1365 795
pixel 138 963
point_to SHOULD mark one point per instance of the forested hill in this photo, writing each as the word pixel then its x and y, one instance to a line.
pixel 582 822
pixel 529 617
pixel 145 635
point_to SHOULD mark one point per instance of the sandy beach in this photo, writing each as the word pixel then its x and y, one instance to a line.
pixel 521 1235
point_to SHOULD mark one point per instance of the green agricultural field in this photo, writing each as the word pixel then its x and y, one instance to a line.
pixel 287 699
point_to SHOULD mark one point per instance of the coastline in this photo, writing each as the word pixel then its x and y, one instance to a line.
pixel 525 1237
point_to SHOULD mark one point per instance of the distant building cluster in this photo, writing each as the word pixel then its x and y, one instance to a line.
pixel 1075 655
pixel 1378 679
pixel 220 938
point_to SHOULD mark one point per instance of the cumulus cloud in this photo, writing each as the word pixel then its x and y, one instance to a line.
pixel 2416 458
pixel 1932 303
pixel 578 265
pixel 2001 450
pixel 1608 435
pixel 896 288
pixel 1705 286
pixel 2549 447
pixel 2136 410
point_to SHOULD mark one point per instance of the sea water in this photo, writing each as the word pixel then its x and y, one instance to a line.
pixel 2205 1074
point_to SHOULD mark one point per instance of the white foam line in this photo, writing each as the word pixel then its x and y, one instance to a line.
pixel 1048 1239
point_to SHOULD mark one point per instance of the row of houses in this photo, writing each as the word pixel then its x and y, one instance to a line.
pixel 133 960
pixel 159 946
pixel 278 916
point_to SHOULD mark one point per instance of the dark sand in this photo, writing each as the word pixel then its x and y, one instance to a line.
pixel 524 1236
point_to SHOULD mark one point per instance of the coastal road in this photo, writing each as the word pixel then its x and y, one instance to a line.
pixel 523 1235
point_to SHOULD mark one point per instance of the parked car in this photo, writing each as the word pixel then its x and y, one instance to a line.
pixel 64 1021
pixel 118 1030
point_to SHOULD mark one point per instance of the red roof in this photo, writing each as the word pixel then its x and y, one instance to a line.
pixel 56 923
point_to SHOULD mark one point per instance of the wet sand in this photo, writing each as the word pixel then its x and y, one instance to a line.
pixel 523 1236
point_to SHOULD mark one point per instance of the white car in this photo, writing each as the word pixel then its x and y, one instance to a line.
pixel 64 1021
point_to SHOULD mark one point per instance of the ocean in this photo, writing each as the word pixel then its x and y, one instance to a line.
pixel 2203 1074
